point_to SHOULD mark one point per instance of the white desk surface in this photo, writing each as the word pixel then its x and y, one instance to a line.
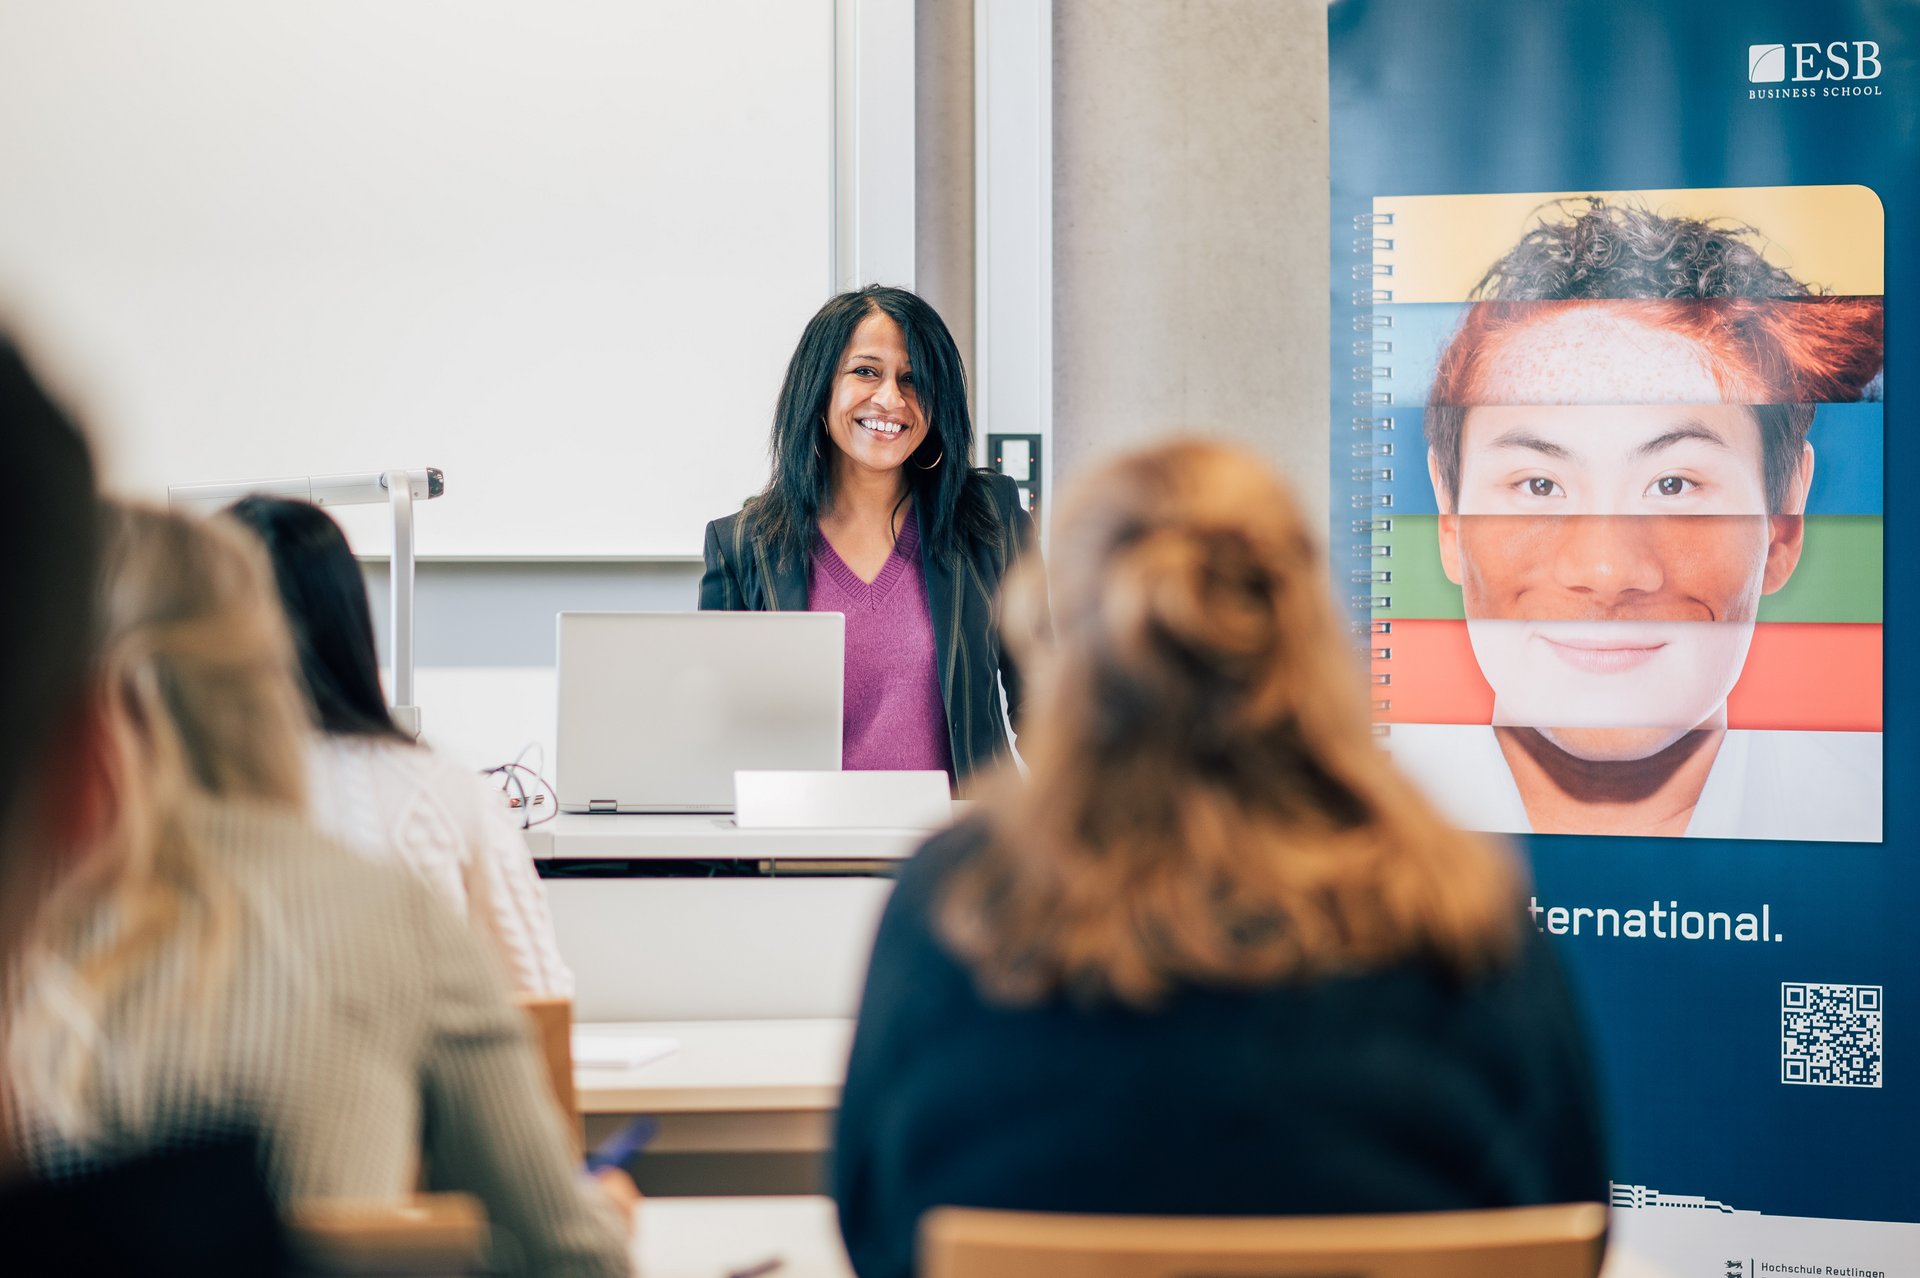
pixel 702 837
pixel 716 1237
pixel 724 1067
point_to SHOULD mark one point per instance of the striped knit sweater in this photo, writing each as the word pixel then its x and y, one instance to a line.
pixel 360 1028
pixel 409 806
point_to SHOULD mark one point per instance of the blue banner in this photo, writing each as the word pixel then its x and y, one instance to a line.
pixel 1755 1000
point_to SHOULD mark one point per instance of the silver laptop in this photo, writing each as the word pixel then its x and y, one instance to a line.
pixel 658 710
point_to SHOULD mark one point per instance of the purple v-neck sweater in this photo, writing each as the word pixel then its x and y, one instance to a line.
pixel 894 719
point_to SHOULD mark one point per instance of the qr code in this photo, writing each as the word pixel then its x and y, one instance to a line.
pixel 1830 1035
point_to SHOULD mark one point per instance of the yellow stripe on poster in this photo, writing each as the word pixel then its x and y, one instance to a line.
pixel 1830 237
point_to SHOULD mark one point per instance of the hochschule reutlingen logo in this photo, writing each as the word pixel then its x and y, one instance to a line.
pixel 1833 69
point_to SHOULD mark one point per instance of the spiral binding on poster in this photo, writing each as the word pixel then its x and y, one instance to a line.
pixel 1372 451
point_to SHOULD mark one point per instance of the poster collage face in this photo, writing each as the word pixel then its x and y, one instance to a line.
pixel 1631 544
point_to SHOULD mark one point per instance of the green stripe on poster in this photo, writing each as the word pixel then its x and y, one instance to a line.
pixel 1838 578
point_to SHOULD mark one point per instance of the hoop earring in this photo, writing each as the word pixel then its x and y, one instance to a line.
pixel 935 462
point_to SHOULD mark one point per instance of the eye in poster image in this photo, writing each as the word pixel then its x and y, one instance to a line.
pixel 1631 569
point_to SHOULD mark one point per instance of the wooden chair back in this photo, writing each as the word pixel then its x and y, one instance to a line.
pixel 430 1236
pixel 552 1020
pixel 1516 1242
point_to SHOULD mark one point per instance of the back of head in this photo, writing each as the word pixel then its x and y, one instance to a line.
pixel 325 601
pixel 50 526
pixel 201 709
pixel 1192 623
pixel 197 659
pixel 1204 802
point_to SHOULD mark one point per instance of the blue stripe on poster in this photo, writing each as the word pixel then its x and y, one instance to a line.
pixel 1849 447
pixel 1418 332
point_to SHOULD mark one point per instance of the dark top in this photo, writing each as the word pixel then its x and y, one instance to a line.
pixel 198 1206
pixel 743 576
pixel 1398 1090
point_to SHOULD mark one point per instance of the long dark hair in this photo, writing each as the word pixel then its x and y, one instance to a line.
pixel 950 499
pixel 50 525
pixel 326 603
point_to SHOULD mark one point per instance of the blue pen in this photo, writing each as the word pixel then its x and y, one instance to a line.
pixel 623 1144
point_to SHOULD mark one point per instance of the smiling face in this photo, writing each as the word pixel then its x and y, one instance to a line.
pixel 873 413
pixel 1612 551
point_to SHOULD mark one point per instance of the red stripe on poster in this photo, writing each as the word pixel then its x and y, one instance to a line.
pixel 1799 676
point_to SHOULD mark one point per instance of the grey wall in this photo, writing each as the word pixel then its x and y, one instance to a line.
pixel 1190 228
pixel 481 614
pixel 1190 289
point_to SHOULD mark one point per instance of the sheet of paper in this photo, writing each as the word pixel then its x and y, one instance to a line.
pixel 597 1049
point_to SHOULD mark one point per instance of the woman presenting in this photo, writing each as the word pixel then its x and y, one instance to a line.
pixel 874 512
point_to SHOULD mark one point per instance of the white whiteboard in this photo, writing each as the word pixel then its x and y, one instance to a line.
pixel 560 250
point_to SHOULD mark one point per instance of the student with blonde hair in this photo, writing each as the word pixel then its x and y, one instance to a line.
pixel 1214 955
pixel 212 960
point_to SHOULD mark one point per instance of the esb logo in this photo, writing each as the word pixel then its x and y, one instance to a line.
pixel 1840 60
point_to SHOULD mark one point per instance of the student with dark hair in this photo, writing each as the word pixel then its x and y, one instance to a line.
pixel 370 785
pixel 51 528
pixel 127 1215
pixel 326 602
pixel 874 510
pixel 1214 956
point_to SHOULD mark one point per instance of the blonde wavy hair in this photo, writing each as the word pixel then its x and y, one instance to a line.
pixel 200 705
pixel 1206 804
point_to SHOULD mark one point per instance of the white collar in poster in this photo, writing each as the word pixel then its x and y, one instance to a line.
pixel 658 710
pixel 399 489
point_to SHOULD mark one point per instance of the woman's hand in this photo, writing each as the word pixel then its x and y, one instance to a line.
pixel 622 1193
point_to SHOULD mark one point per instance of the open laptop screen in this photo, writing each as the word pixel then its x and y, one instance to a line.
pixel 658 710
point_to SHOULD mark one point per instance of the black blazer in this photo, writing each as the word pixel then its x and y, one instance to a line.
pixel 962 591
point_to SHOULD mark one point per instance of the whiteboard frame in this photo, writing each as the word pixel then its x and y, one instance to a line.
pixel 866 197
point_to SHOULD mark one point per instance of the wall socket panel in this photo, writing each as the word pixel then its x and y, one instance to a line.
pixel 1018 458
